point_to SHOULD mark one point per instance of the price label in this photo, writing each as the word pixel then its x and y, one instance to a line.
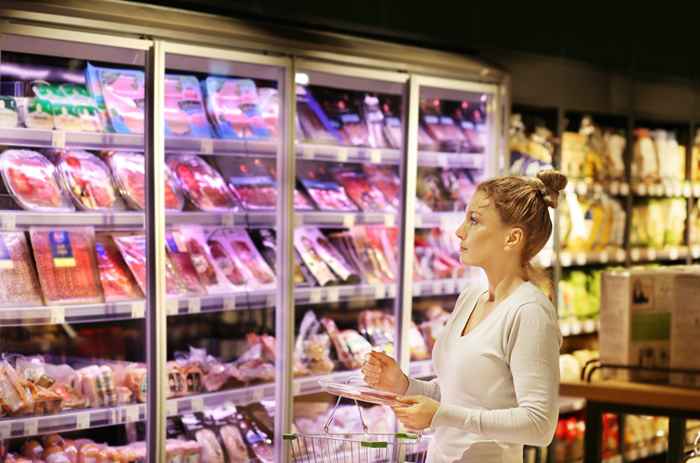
pixel 651 254
pixel 258 394
pixel 207 146
pixel 228 220
pixel 450 287
pixel 194 305
pixel 82 421
pixel 171 408
pixel 229 304
pixel 333 294
pixel 604 257
pixel 437 287
pixel 391 291
pixel 9 221
pixel 138 309
pixel 58 315
pixel 624 189
pixel 342 155
pixel 635 255
pixel 673 253
pixel 379 291
pixel 197 404
pixel 5 432
pixel 315 296
pixel 348 220
pixel 375 156
pixel 581 258
pixel 132 414
pixel 307 152
pixel 417 290
pixel 389 220
pixel 443 161
pixel 171 306
pixel 58 139
pixel 31 427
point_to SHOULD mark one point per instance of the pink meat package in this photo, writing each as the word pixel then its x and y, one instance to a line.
pixel 253 186
pixel 203 185
pixel 194 238
pixel 118 284
pixel 19 285
pixel 365 194
pixel 325 192
pixel 66 264
pixel 89 181
pixel 239 259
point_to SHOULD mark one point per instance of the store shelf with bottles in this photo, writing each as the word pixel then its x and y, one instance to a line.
pixel 591 187
pixel 573 327
pixel 610 256
pixel 671 253
pixel 672 189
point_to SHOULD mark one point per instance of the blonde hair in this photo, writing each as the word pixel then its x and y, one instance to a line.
pixel 524 202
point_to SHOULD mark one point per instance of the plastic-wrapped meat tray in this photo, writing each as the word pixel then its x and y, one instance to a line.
pixel 18 281
pixel 359 392
pixel 118 283
pixel 202 184
pixel 233 106
pixel 129 176
pixel 89 181
pixel 185 114
pixel 120 93
pixel 33 182
pixel 239 259
pixel 367 196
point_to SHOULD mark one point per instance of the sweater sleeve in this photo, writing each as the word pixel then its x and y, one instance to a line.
pixel 427 388
pixel 533 353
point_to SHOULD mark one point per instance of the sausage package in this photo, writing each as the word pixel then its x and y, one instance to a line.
pixel 303 242
pixel 89 181
pixel 212 278
pixel 202 184
pixel 118 284
pixel 66 264
pixel 19 285
pixel 237 256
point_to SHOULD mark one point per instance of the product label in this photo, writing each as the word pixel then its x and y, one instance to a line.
pixel 393 121
pixel 252 181
pixel 445 120
pixel 321 185
pixel 61 249
pixel 651 326
pixel 467 125
pixel 431 119
pixel 350 118
pixel 6 262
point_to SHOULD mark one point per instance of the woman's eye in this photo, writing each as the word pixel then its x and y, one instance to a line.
pixel 473 220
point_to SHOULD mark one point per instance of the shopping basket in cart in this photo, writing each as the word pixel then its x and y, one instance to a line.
pixel 364 447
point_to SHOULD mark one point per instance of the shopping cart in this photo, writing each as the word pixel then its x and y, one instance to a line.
pixel 364 447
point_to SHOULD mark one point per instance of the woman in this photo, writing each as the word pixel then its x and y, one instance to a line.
pixel 497 358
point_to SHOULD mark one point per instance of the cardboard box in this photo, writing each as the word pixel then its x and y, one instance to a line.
pixel 647 318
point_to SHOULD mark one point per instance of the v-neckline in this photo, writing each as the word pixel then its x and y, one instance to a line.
pixel 462 334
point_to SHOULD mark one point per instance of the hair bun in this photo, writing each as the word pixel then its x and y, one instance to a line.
pixel 553 181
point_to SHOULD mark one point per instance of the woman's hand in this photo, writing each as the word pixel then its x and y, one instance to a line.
pixel 417 412
pixel 382 372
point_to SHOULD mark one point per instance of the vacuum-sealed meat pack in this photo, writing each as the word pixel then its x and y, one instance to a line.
pixel 266 241
pixel 253 186
pixel 269 104
pixel 330 255
pixel 233 107
pixel 89 181
pixel 118 284
pixel 365 194
pixel 239 259
pixel 315 125
pixel 66 265
pixel 18 281
pixel 304 244
pixel 374 118
pixel 185 114
pixel 179 256
pixel 323 190
pixel 128 170
pixel 121 94
pixel 202 184
pixel 194 239
pixel 33 182
pixel 386 179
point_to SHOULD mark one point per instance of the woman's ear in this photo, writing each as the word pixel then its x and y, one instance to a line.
pixel 514 239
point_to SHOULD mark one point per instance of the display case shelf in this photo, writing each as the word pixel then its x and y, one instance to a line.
pixel 663 190
pixel 614 188
pixel 337 153
pixel 239 396
pixel 346 219
pixel 609 256
pixel 451 160
pixel 443 220
pixel 671 253
pixel 450 286
pixel 74 420
pixel 577 327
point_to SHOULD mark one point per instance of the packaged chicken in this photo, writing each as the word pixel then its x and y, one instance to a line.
pixel 238 258
pixel 325 192
pixel 129 176
pixel 32 181
pixel 118 284
pixel 19 285
pixel 366 195
pixel 89 181
pixel 66 264
pixel 184 110
pixel 253 186
pixel 202 184
pixel 233 105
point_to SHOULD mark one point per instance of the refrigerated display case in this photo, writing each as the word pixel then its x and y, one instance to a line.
pixel 228 217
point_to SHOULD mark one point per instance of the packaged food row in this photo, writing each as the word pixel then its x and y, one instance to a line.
pixel 658 222
pixel 437 253
pixel 529 153
pixel 55 449
pixel 579 295
pixel 657 157
pixel 593 152
pixel 694 236
pixel 452 126
pixel 591 222
pixel 445 190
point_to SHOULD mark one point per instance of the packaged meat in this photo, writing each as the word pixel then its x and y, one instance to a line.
pixel 469 118
pixel 19 285
pixel 301 201
pixel 375 121
pixel 55 454
pixel 184 110
pixel 9 115
pixel 129 175
pixel 118 283
pixel 236 449
pixel 133 250
pixel 359 391
pixel 315 125
pixel 393 130
pixel 386 180
pixel 269 109
pixel 266 241
pixel 327 252
pixel 178 255
pixel 211 450
pixel 13 396
pixel 253 186
pixel 135 380
pixel 213 278
pixel 441 126
pixel 437 317
pixel 203 185
pixel 97 384
pixel 233 105
pixel 89 453
pixel 237 256
pixel 89 181
pixel 313 347
pixel 32 181
pixel 379 328
pixel 350 347
pixel 72 107
pixel 260 444
pixel 121 94
pixel 367 196
pixel 312 259
pixel 66 264
pixel 325 192
pixel 33 450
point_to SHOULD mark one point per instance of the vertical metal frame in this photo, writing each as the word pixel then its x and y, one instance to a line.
pixel 156 313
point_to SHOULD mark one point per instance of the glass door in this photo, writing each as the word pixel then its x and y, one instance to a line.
pixel 347 235
pixel 72 331
pixel 222 117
